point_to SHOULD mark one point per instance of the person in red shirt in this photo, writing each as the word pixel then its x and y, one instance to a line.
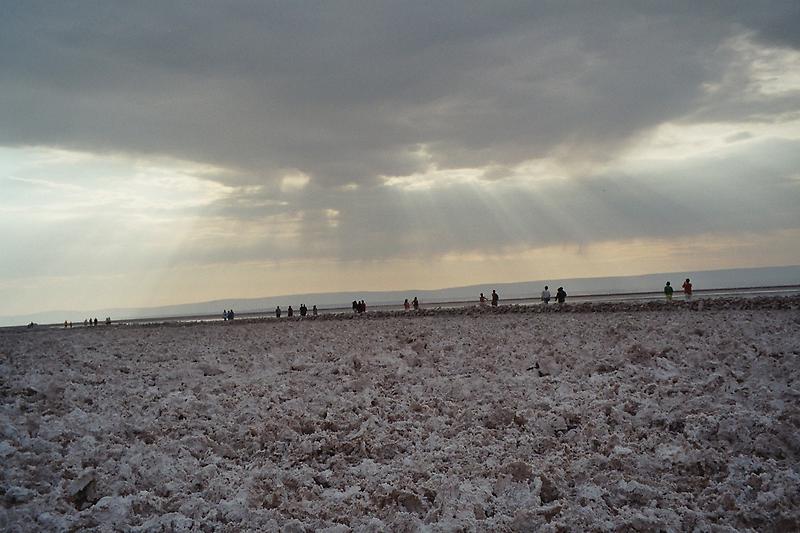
pixel 687 290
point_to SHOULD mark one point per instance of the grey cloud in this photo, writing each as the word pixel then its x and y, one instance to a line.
pixel 348 92
pixel 753 191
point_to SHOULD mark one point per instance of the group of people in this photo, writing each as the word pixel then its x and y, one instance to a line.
pixel 561 295
pixel 414 303
pixel 495 299
pixel 360 306
pixel 290 311
pixel 687 290
pixel 88 322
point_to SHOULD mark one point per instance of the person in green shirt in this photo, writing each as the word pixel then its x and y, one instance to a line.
pixel 668 291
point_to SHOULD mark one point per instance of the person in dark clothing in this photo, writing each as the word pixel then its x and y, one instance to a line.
pixel 415 303
pixel 495 298
pixel 314 311
pixel 95 321
pixel 278 312
pixel 230 314
pixel 303 310
pixel 224 314
pixel 290 311
pixel 355 306
pixel 668 291
pixel 561 295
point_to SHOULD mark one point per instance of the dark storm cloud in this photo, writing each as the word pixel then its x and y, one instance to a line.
pixel 349 91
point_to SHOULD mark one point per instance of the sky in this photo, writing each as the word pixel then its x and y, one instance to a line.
pixel 155 153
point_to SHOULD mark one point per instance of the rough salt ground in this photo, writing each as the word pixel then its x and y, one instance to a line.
pixel 643 420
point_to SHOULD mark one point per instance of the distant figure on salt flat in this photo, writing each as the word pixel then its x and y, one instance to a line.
pixel 362 306
pixel 95 321
pixel 687 290
pixel 415 303
pixel 668 291
pixel 224 314
pixel 65 324
pixel 85 322
pixel 561 295
pixel 290 311
pixel 495 298
pixel 231 314
pixel 314 311
pixel 303 310
pixel 70 324
pixel 546 295
pixel 355 306
pixel 406 305
pixel 108 321
pixel 278 311
pixel 482 300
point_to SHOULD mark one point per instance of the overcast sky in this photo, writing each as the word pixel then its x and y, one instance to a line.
pixel 170 152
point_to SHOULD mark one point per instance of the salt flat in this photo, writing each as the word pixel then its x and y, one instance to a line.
pixel 633 419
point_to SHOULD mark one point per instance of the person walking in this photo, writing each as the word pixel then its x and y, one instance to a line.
pixel 415 303
pixel 546 295
pixel 495 298
pixel 314 311
pixel 290 311
pixel 278 311
pixel 687 290
pixel 668 291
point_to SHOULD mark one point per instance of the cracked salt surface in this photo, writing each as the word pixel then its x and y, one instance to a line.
pixel 646 418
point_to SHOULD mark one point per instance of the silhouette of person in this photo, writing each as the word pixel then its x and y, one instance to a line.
pixel 278 311
pixel 224 314
pixel 415 303
pixel 303 310
pixel 95 321
pixel 290 311
pixel 687 290
pixel 314 311
pixel 230 314
pixel 546 295
pixel 668 291
pixel 406 305
pixel 495 298
pixel 355 306
pixel 482 299
pixel 561 295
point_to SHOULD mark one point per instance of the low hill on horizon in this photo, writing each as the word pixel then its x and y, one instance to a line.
pixel 709 279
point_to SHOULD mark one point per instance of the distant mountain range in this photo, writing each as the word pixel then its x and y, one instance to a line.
pixel 709 279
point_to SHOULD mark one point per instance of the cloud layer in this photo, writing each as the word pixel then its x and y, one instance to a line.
pixel 369 131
